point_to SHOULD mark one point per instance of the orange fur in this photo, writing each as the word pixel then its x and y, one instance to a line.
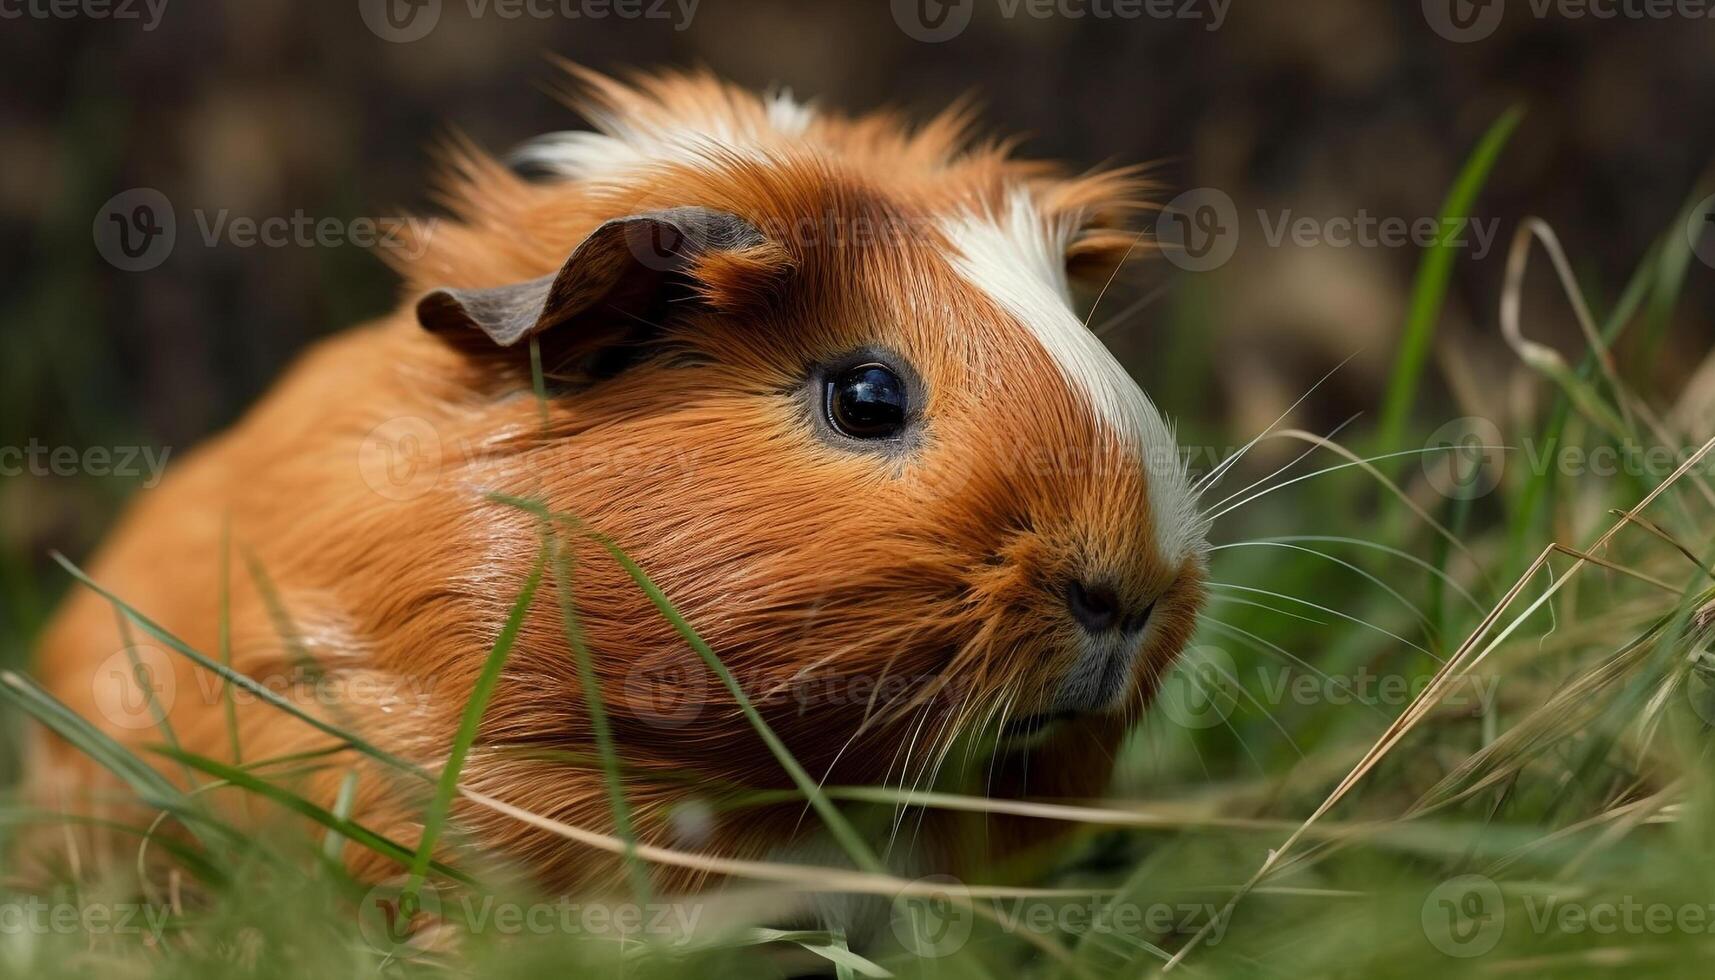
pixel 813 573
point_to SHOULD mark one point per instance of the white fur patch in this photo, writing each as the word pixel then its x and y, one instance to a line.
pixel 622 143
pixel 1019 259
pixel 787 115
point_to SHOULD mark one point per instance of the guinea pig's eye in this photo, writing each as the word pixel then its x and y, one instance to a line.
pixel 867 401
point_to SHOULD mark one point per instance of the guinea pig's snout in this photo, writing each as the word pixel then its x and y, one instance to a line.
pixel 1111 631
pixel 1098 608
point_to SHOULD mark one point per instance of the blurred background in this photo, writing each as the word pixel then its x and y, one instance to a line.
pixel 330 110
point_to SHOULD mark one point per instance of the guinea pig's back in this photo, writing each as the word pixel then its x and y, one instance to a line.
pixel 238 504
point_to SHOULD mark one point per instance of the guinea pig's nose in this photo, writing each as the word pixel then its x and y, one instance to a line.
pixel 1098 608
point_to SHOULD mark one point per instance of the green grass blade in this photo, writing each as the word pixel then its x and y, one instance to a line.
pixel 624 827
pixel 350 830
pixel 224 626
pixel 1429 288
pixel 538 384
pixel 838 826
pixel 474 708
pixel 1523 522
pixel 286 628
pixel 1668 281
pixel 153 629
pixel 334 844
pixel 152 788
pixel 847 964
pixel 156 712
pixel 188 857
pixel 841 829
pixel 1657 279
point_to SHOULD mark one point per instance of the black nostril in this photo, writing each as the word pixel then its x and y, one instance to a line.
pixel 1098 609
pixel 1095 607
pixel 1138 620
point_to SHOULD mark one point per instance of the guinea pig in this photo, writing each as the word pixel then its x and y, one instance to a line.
pixel 819 376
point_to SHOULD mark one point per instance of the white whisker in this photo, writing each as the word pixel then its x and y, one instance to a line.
pixel 1415 611
pixel 1235 600
pixel 1333 469
pixel 1214 475
pixel 1294 462
pixel 1332 612
pixel 1446 579
pixel 1258 643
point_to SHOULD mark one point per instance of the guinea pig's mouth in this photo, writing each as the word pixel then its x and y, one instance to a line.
pixel 1104 674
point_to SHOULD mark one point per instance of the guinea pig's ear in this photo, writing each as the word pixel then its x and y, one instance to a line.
pixel 1097 252
pixel 1103 211
pixel 629 265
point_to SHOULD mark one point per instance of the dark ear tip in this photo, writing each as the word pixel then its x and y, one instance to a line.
pixel 661 242
pixel 439 310
pixel 505 314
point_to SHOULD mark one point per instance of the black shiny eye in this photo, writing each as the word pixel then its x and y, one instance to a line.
pixel 867 402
